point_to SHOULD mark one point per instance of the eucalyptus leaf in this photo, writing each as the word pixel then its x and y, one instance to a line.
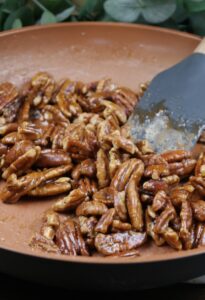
pixel 195 5
pixel 123 10
pixel 48 17
pixel 158 11
pixel 17 24
pixel 24 13
pixel 65 14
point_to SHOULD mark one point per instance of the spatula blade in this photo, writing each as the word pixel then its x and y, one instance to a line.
pixel 171 113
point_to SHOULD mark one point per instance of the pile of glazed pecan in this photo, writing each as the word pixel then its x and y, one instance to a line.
pixel 69 140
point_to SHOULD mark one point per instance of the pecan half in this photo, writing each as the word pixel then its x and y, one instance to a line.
pixel 105 221
pixel 119 242
pixel 90 208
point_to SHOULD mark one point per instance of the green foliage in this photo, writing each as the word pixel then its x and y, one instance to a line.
pixel 186 15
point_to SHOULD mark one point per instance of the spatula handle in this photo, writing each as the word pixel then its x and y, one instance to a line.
pixel 201 47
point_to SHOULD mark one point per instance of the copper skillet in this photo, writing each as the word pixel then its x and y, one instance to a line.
pixel 129 54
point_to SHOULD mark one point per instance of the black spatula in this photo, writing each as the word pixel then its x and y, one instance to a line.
pixel 171 113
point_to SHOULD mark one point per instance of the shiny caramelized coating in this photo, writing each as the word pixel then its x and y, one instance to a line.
pixel 105 221
pixel 69 239
pixel 119 242
pixel 71 201
pixel 85 168
pixel 133 202
pixel 90 208
pixel 102 169
pixel 198 207
pixel 71 140
pixel 105 195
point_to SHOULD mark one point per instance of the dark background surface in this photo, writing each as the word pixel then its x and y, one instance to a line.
pixel 13 288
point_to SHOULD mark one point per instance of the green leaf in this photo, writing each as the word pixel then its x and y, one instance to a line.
pixel 17 24
pixel 65 14
pixel 195 5
pixel 158 11
pixel 197 23
pixel 24 13
pixel 48 17
pixel 153 11
pixel 123 10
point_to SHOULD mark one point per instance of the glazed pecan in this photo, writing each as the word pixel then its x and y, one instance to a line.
pixel 90 208
pixel 181 193
pixel 69 239
pixel 119 142
pixel 8 93
pixel 17 187
pixel 120 205
pixel 123 174
pixel 22 163
pixel 198 207
pixel 106 195
pixel 71 201
pixel 134 206
pixel 114 161
pixel 118 226
pixel 154 186
pixel 49 158
pixel 105 221
pixel 180 162
pixel 200 166
pixel 10 139
pixel 84 168
pixel 159 201
pixel 172 238
pixel 156 167
pixel 89 186
pixel 119 242
pixel 150 224
pixel 87 225
pixel 199 184
pixel 51 188
pixel 102 169
pixel 163 220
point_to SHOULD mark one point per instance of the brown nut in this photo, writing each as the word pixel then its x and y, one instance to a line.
pixel 22 163
pixel 50 189
pixel 91 208
pixel 85 168
pixel 87 225
pixel 123 174
pixel 8 93
pixel 105 221
pixel 105 195
pixel 49 158
pixel 198 207
pixel 134 206
pixel 69 239
pixel 150 223
pixel 163 220
pixel 117 225
pixel 102 169
pixel 160 200
pixel 172 238
pixel 119 242
pixel 186 220
pixel 120 205
pixel 71 201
